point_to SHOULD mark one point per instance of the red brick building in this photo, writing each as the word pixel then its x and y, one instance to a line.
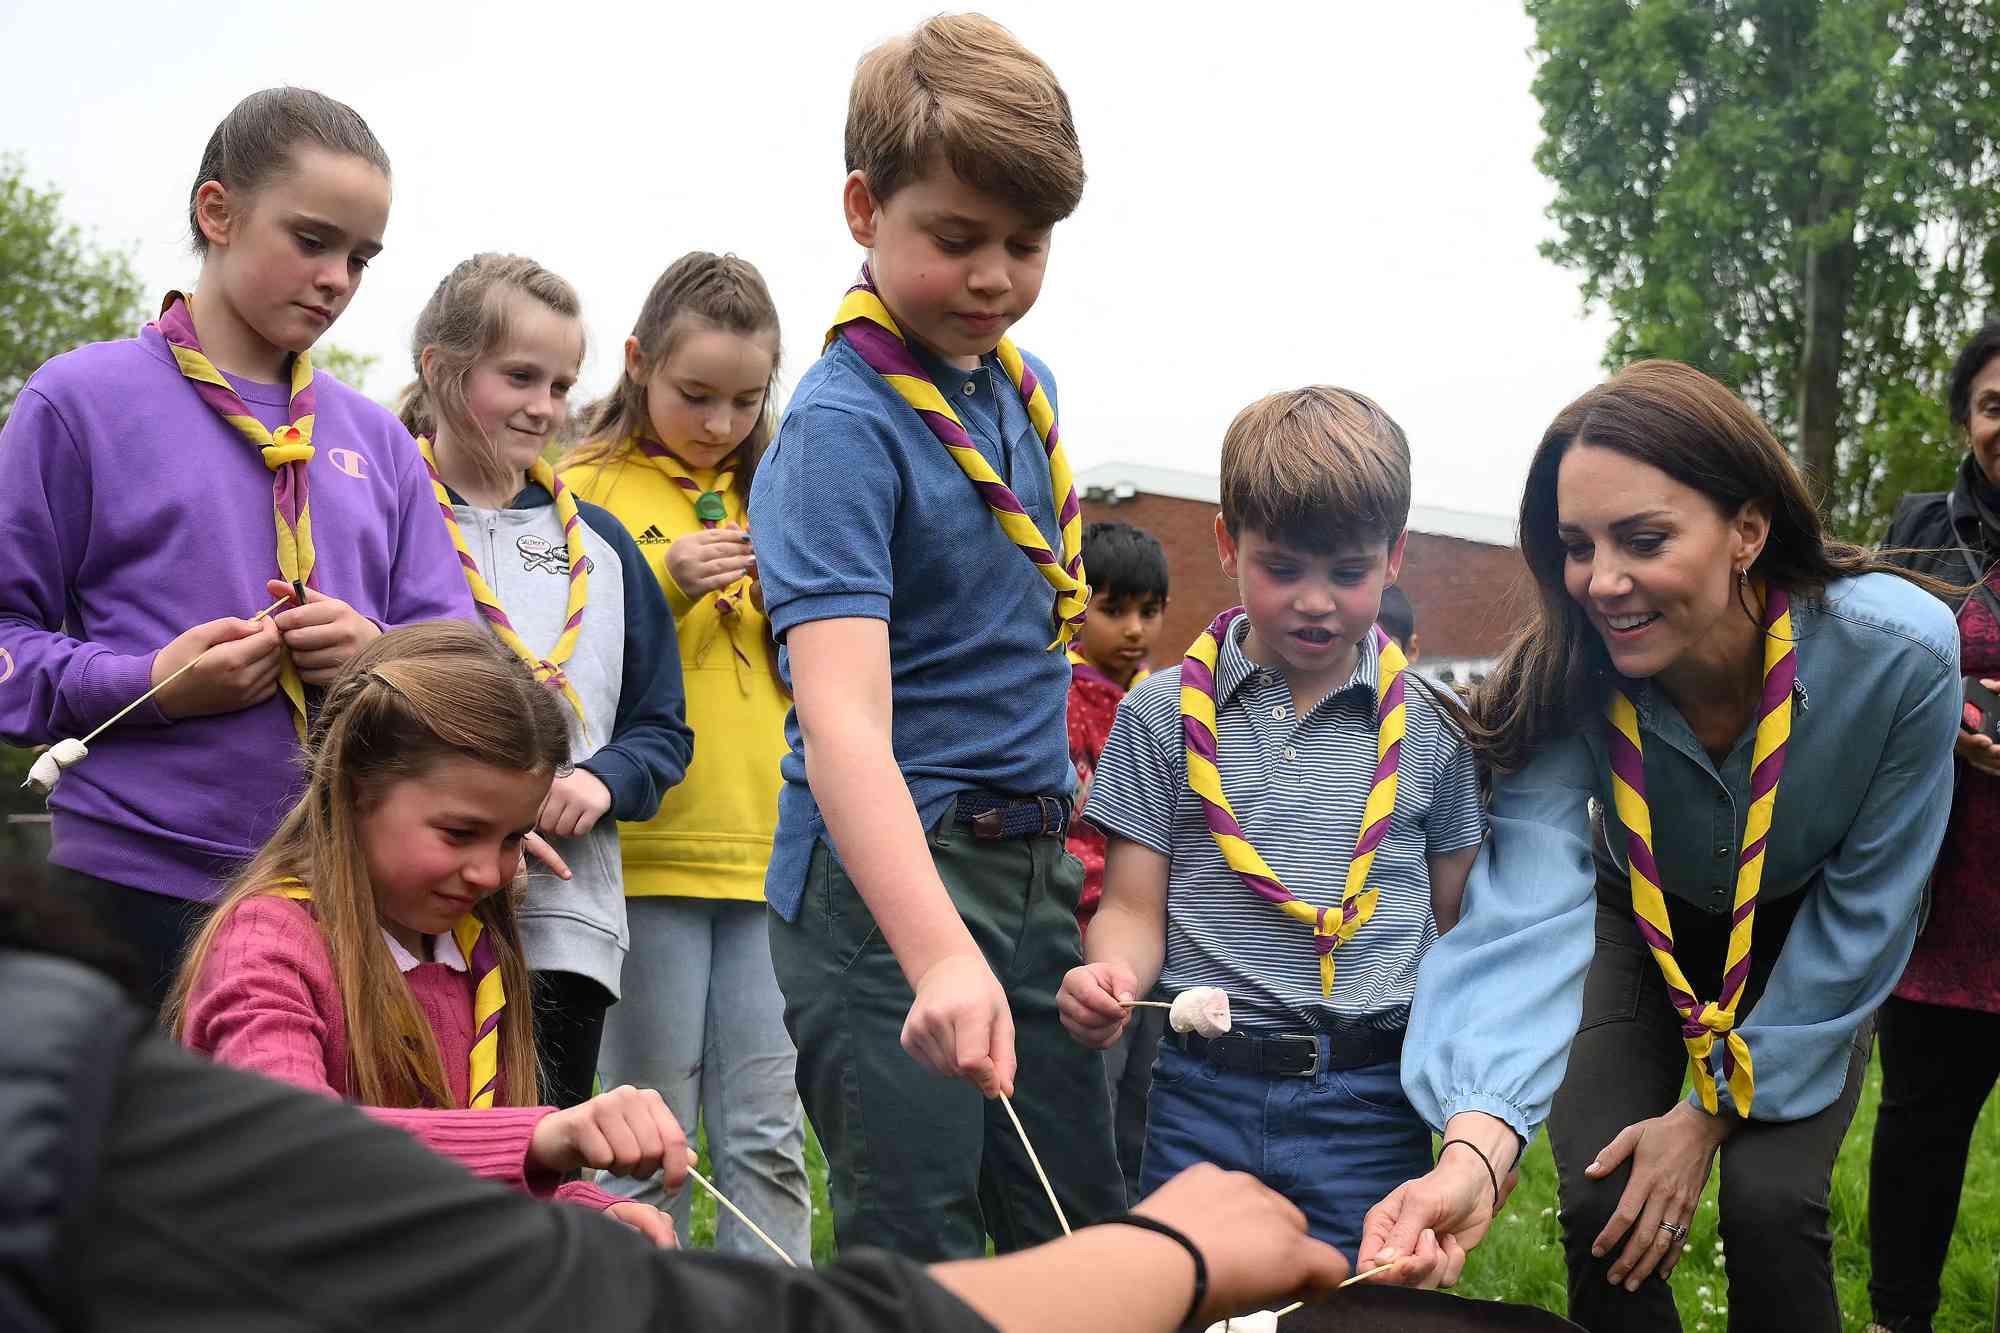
pixel 1461 570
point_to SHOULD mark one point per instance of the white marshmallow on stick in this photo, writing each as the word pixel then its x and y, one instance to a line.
pixel 1203 1010
pixel 47 770
pixel 49 764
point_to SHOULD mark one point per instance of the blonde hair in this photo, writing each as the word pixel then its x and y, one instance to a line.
pixel 698 291
pixel 413 698
pixel 1316 466
pixel 960 88
pixel 468 317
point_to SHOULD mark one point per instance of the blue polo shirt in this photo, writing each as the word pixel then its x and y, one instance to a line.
pixel 859 511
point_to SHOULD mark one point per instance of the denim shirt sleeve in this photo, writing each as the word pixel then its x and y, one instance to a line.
pixel 1500 995
pixel 1853 934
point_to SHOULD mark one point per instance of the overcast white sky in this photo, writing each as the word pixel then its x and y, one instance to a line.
pixel 1331 191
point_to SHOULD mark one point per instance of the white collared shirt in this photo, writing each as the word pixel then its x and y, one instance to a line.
pixel 444 949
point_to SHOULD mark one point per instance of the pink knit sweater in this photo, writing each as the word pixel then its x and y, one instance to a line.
pixel 267 1001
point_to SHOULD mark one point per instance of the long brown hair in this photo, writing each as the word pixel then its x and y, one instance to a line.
pixel 408 701
pixel 698 291
pixel 1552 678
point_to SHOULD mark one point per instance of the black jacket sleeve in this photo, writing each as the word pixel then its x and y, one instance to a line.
pixel 226 1201
pixel 651 742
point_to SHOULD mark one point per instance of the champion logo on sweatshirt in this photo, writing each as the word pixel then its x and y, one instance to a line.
pixel 652 536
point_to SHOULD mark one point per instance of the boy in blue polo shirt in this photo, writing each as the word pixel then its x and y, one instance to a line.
pixel 1315 918
pixel 919 543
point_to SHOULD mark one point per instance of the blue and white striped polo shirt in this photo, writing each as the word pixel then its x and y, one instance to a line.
pixel 1298 786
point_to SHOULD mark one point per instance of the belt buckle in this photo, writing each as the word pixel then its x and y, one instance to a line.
pixel 1313 1053
pixel 990 825
pixel 1051 811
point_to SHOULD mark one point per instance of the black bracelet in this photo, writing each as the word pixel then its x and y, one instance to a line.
pixel 1491 1174
pixel 1200 1264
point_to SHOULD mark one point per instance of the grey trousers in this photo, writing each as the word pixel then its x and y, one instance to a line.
pixel 702 1020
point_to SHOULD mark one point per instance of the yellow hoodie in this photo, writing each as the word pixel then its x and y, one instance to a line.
pixel 712 837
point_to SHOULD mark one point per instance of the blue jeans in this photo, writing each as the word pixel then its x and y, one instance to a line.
pixel 1333 1144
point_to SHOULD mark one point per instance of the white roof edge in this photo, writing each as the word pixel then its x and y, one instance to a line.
pixel 1205 488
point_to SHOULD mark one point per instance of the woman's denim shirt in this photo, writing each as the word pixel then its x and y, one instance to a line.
pixel 1860 812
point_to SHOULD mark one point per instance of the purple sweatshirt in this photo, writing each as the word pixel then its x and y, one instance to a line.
pixel 131 512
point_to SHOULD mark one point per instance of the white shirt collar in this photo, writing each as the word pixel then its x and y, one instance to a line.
pixel 444 949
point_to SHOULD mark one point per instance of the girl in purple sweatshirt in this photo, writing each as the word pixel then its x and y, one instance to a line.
pixel 156 493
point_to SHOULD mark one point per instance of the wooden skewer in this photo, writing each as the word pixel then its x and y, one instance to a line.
pixel 1358 1277
pixel 1046 1187
pixel 742 1217
pixel 1145 1004
pixel 171 679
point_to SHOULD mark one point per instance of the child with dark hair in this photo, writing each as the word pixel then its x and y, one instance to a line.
pixel 1128 599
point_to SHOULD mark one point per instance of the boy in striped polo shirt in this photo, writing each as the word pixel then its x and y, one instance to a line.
pixel 1305 1092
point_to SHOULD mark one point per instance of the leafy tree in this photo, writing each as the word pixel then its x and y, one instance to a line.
pixel 349 367
pixel 1802 199
pixel 58 287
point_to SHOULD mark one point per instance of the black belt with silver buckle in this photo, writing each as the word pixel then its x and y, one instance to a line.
pixel 1295 1054
pixel 992 817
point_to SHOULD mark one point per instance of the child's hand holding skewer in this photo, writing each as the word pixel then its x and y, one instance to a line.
pixel 321 635
pixel 1094 1002
pixel 223 666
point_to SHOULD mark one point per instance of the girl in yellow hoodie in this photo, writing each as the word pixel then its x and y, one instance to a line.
pixel 671 453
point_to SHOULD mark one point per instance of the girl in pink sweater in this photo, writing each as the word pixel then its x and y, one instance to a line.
pixel 370 952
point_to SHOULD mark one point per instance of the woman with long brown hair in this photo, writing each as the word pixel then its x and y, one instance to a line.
pixel 1724 748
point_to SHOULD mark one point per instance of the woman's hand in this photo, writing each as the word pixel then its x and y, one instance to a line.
pixel 1426 1226
pixel 648 1221
pixel 1671 1158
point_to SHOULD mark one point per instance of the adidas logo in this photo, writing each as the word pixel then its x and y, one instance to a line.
pixel 652 536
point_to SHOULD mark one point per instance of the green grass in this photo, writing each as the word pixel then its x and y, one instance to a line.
pixel 1521 1260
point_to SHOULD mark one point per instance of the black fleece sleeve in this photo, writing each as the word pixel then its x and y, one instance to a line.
pixel 651 742
pixel 229 1201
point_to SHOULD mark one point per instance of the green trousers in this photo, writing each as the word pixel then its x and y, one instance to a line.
pixel 923 1165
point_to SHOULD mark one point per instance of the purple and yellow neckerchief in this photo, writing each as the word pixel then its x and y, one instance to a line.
pixel 1089 670
pixel 285 451
pixel 1330 929
pixel 1702 1023
pixel 711 508
pixel 871 331
pixel 548 670
pixel 489 996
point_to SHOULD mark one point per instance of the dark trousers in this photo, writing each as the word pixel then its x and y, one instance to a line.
pixel 154 929
pixel 920 1164
pixel 1938 1065
pixel 569 1029
pixel 1627 1065
pixel 1128 1073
